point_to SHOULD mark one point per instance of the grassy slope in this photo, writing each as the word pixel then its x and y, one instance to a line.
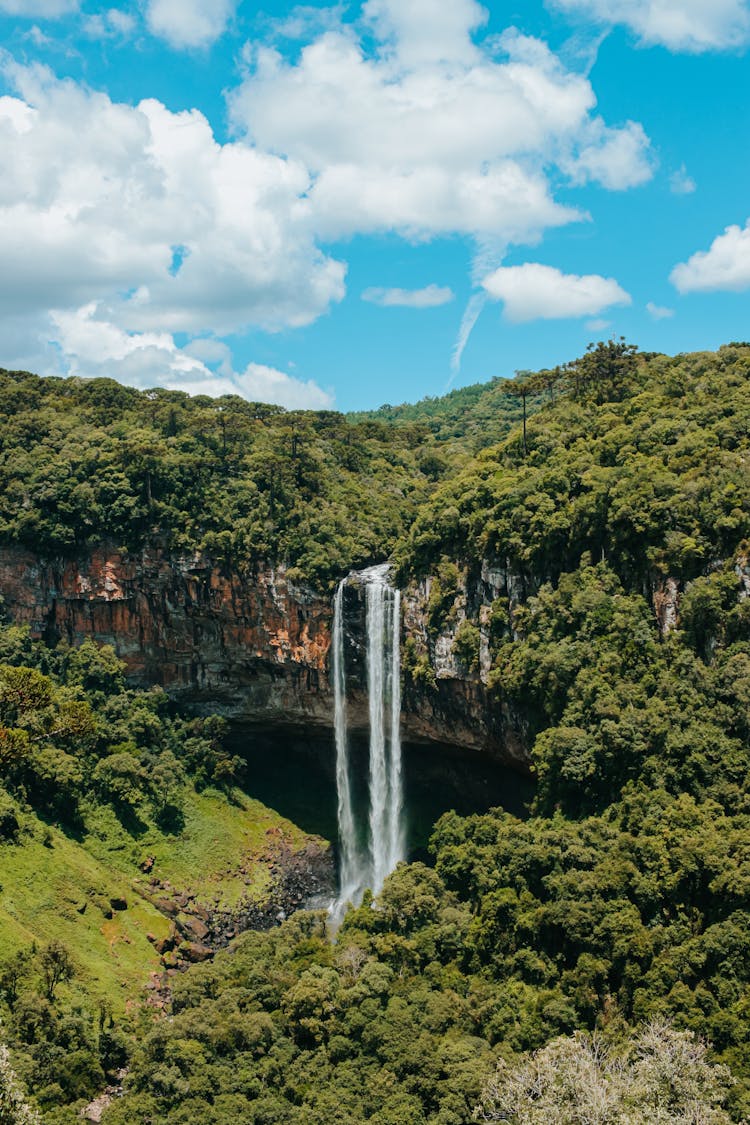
pixel 54 887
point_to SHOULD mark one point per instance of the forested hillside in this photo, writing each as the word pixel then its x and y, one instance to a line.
pixel 621 903
pixel 85 461
pixel 470 417
pixel 125 845
pixel 641 461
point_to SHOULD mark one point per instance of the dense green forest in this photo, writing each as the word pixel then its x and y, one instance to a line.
pixel 100 784
pixel 647 470
pixel 85 460
pixel 471 417
pixel 620 906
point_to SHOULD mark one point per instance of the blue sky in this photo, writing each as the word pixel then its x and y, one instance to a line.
pixel 365 203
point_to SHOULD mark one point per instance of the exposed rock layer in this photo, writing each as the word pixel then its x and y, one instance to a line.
pixel 253 646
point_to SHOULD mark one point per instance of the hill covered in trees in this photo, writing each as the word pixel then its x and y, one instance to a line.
pixel 86 460
pixel 620 903
pixel 126 846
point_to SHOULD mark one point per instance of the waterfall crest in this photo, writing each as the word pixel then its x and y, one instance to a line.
pixel 360 868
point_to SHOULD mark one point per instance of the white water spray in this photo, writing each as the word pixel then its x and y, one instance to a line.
pixel 396 841
pixel 350 875
pixel 359 869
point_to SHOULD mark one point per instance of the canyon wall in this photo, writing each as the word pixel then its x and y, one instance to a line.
pixel 252 646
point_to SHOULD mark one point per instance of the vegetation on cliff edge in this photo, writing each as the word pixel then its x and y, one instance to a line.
pixel 620 904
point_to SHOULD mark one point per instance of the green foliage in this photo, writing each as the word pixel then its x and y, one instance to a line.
pixel 610 701
pixel 470 417
pixel 711 615
pixel 613 440
pixel 443 589
pixel 9 818
pixel 416 664
pixel 120 778
pixel 292 1029
pixel 75 733
pixel 605 373
pixel 522 933
pixel 56 967
pixel 646 466
pixel 58 1048
pixel 88 765
pixel 86 460
pixel 466 645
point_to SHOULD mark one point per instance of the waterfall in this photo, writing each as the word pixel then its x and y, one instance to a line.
pixel 396 843
pixel 359 869
pixel 349 872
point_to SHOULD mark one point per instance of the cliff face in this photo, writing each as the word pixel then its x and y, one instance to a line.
pixel 253 647
pixel 458 688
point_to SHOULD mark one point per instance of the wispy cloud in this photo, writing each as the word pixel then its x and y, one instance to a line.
pixel 471 315
pixel 658 312
pixel 110 24
pixel 38 9
pixel 680 25
pixel 428 298
pixel 680 183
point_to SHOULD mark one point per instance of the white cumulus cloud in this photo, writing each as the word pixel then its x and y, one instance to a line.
pixel 266 384
pixel 189 23
pixel 142 209
pixel 98 347
pixel 615 158
pixel 725 265
pixel 428 298
pixel 536 292
pixel 93 346
pixel 680 25
pixel 431 133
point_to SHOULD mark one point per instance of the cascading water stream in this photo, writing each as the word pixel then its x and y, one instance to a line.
pixel 386 837
pixel 350 875
pixel 396 842
pixel 376 675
